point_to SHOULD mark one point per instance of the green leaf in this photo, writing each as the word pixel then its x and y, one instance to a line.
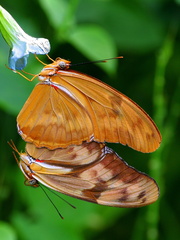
pixel 7 232
pixel 133 25
pixel 96 44
pixel 55 11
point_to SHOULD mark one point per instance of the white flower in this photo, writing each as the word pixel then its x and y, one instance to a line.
pixel 21 44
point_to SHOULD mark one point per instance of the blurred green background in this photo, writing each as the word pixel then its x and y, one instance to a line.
pixel 146 33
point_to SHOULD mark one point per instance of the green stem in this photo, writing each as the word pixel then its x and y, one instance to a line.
pixel 156 161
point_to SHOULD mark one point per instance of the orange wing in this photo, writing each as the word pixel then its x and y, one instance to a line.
pixel 93 173
pixel 69 107
pixel 52 118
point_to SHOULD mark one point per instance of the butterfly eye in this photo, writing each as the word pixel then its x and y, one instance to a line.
pixel 63 65
pixel 31 182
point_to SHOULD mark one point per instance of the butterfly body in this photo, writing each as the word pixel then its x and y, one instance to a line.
pixel 68 107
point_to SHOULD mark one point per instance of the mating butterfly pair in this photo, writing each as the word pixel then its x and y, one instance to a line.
pixel 66 120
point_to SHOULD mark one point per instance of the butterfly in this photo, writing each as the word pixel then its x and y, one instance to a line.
pixel 68 107
pixel 91 171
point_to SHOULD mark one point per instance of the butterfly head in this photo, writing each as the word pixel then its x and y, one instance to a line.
pixel 53 68
pixel 62 64
pixel 58 64
pixel 24 165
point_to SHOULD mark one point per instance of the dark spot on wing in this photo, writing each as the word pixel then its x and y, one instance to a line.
pixel 144 200
pixel 142 194
pixel 124 191
pixel 123 199
pixel 73 156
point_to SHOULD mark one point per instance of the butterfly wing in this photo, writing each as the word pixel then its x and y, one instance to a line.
pixel 52 118
pixel 114 116
pixel 76 108
pixel 107 180
pixel 72 156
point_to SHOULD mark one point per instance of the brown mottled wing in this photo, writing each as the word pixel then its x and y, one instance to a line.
pixel 72 156
pixel 108 180
pixel 53 118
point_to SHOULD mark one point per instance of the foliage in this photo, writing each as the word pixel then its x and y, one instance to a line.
pixel 147 34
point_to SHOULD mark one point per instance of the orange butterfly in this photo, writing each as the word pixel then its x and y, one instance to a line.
pixel 91 172
pixel 68 107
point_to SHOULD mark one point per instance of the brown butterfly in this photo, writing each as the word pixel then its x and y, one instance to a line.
pixel 91 172
pixel 68 107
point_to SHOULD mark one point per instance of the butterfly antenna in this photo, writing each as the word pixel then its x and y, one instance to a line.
pixel 51 202
pixel 98 61
pixel 61 198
